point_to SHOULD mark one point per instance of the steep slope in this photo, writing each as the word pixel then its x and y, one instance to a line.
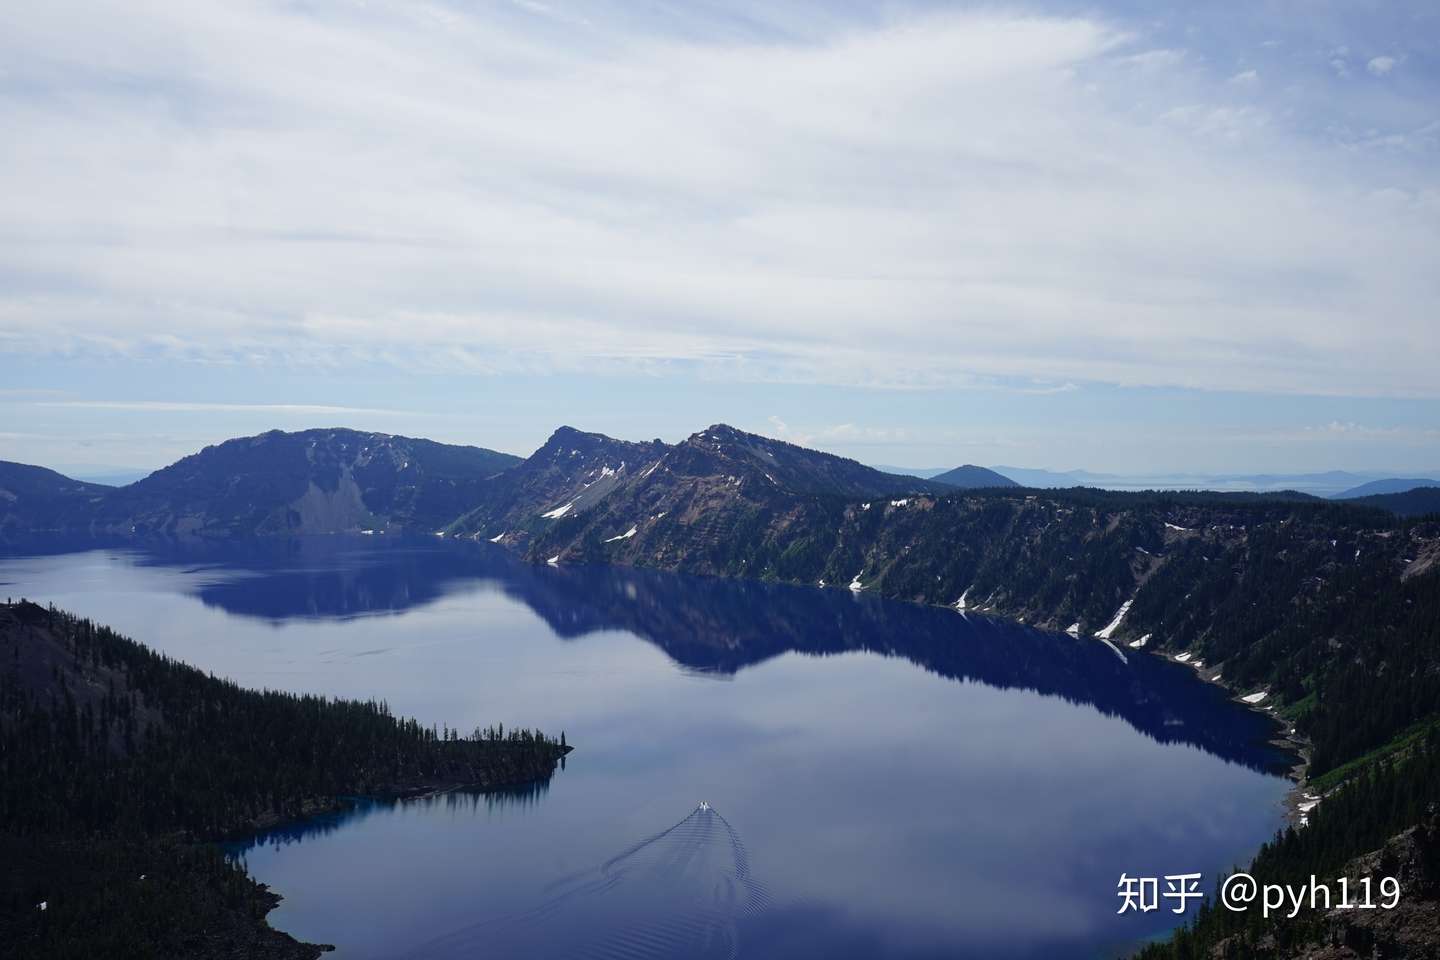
pixel 315 481
pixel 1383 825
pixel 566 477
pixel 968 476
pixel 41 500
pixel 703 504
pixel 723 450
pixel 1392 485
pixel 583 481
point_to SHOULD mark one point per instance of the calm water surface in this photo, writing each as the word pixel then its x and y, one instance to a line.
pixel 882 779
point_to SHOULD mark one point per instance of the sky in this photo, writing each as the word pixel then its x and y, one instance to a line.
pixel 1119 236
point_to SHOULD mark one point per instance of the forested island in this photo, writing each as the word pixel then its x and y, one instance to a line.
pixel 120 768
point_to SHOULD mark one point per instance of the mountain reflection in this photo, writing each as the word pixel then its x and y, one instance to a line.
pixel 720 627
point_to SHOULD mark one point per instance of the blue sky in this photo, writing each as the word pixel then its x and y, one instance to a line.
pixel 1131 237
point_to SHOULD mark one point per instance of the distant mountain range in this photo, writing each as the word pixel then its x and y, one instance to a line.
pixel 1336 484
pixel 1390 485
pixel 338 480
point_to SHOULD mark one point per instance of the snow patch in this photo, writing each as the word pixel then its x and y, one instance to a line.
pixel 554 561
pixel 960 604
pixel 1256 697
pixel 1073 629
pixel 498 537
pixel 1183 658
pixel 1171 526
pixel 1137 644
pixel 899 503
pixel 856 585
pixel 558 512
pixel 624 536
pixel 1108 630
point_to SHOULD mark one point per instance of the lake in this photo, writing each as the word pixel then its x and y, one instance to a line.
pixel 760 770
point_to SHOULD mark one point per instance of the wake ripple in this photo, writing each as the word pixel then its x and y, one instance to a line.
pixel 686 891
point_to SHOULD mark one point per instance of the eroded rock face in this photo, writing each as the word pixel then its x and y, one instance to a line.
pixel 314 481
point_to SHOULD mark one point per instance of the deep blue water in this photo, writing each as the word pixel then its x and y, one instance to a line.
pixel 883 779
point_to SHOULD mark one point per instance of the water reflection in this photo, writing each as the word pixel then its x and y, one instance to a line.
pixel 356 809
pixel 908 782
pixel 717 627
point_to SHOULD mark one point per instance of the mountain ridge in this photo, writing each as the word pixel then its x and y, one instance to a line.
pixel 323 480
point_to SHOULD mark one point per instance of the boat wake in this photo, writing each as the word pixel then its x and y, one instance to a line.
pixel 685 892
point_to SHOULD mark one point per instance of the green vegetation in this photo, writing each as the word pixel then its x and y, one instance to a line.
pixel 1387 798
pixel 116 761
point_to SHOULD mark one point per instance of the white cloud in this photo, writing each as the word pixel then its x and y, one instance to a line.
pixel 1245 77
pixel 161 406
pixel 952 200
pixel 1381 65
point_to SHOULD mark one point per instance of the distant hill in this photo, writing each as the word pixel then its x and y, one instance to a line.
pixel 971 476
pixel 1391 485
pixel 314 481
pixel 1050 479
pixel 1325 484
pixel 1412 503
pixel 36 498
